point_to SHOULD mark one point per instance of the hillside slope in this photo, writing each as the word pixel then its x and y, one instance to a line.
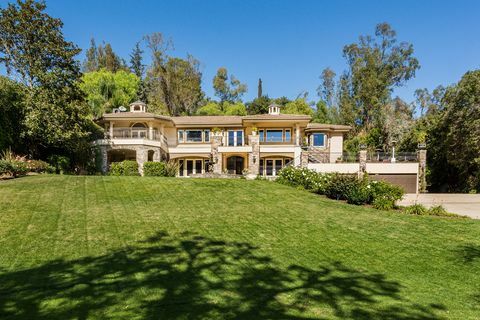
pixel 164 248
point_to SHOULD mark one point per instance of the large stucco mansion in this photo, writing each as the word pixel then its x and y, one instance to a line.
pixel 251 145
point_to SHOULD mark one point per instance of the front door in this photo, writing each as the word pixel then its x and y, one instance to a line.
pixel 235 165
pixel 193 166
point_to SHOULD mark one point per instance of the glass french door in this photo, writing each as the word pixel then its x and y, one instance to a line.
pixel 193 167
pixel 271 166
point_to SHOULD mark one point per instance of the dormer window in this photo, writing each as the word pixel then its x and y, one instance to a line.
pixel 274 109
pixel 138 106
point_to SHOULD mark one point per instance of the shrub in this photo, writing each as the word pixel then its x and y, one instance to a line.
pixel 441 212
pixel 416 209
pixel 154 169
pixel 171 168
pixel 60 163
pixel 383 203
pixel 358 193
pixel 382 189
pixel 340 185
pixel 39 166
pixel 5 167
pixel 124 168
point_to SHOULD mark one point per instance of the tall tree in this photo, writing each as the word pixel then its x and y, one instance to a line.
pixel 227 87
pixel 174 83
pixel 138 68
pixel 260 89
pixel 376 66
pixel 326 90
pixel 34 52
pixel 462 123
pixel 91 60
pixel 136 61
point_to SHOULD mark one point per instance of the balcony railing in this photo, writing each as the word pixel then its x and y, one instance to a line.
pixel 388 157
pixel 129 133
pixel 316 156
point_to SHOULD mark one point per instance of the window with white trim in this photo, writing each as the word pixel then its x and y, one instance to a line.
pixel 235 138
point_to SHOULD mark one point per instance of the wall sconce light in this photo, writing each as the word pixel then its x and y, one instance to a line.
pixel 254 159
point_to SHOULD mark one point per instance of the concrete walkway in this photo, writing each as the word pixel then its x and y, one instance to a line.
pixel 459 203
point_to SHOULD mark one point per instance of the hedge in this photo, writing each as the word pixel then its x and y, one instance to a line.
pixel 124 168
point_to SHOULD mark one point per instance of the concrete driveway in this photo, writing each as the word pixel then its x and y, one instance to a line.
pixel 459 203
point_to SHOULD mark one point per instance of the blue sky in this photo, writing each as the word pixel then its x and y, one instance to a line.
pixel 286 43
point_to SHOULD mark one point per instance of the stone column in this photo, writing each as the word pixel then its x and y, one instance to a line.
pixel 362 157
pixel 142 157
pixel 304 159
pixel 297 135
pixel 422 169
pixel 217 156
pixel 103 154
pixel 111 130
pixel 157 155
pixel 150 131
pixel 254 156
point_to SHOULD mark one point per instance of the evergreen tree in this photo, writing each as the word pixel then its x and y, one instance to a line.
pixel 91 61
pixel 260 93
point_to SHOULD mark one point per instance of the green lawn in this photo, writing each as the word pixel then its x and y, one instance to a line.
pixel 165 248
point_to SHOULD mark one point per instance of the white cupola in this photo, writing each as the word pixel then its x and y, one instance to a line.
pixel 138 106
pixel 274 109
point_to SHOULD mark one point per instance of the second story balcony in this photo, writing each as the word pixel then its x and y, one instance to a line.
pixel 136 135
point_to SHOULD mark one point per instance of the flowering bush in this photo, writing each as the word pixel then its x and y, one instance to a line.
pixel 305 178
pixel 343 187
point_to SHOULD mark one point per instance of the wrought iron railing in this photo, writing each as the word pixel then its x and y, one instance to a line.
pixel 390 157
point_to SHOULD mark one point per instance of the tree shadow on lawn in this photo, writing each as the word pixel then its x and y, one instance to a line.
pixel 469 253
pixel 195 277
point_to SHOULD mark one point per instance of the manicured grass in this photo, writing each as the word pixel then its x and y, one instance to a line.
pixel 166 248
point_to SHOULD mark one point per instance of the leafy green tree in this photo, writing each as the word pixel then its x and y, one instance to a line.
pixel 35 53
pixel 174 84
pixel 258 105
pixel 102 57
pixel 11 114
pixel 105 90
pixel 282 101
pixel 321 114
pixel 227 87
pixel 212 108
pixel 376 66
pixel 298 106
pixel 235 109
pixel 462 122
pixel 326 90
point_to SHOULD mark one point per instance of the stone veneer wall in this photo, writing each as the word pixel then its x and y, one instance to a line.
pixel 140 150
pixel 422 170
pixel 216 142
pixel 254 166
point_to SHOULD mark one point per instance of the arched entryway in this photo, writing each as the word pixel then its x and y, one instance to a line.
pixel 235 165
